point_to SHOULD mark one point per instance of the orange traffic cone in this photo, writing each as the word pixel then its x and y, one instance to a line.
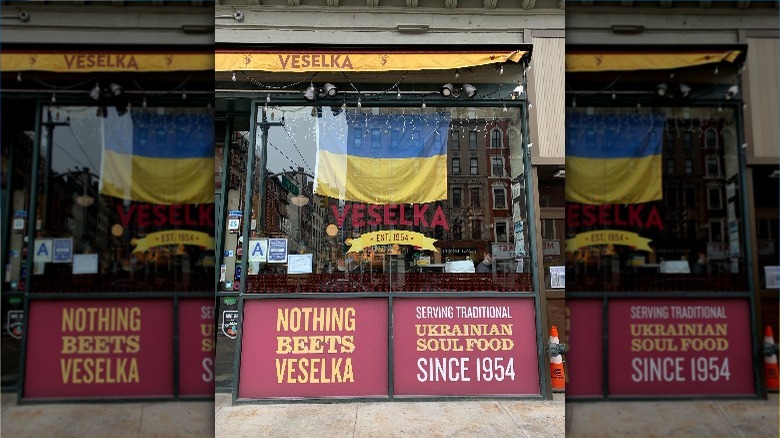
pixel 770 362
pixel 556 363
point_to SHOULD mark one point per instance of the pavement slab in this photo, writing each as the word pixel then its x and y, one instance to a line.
pixel 400 418
pixel 668 418
pixel 69 420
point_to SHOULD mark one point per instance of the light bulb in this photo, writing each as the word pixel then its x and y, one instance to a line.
pixel 398 94
pixel 53 98
pixel 234 77
pixel 19 77
pixel 184 95
pixel 359 105
pixel 501 70
pixel 423 105
pixel 143 103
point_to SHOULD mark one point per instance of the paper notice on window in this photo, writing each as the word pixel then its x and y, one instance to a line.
pixel 557 277
pixel 772 277
pixel 299 263
pixel 85 264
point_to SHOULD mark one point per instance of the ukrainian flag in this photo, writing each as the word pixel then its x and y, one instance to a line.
pixel 613 159
pixel 382 158
pixel 159 158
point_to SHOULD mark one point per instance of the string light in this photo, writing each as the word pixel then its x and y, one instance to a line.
pixel 716 70
pixel 143 102
pixel 614 96
pixel 398 93
pixel 184 95
pixel 234 77
pixel 53 98
pixel 457 74
pixel 19 77
pixel 501 69
pixel 359 105
pixel 574 102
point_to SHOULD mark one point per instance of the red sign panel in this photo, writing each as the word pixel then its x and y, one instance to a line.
pixel 314 348
pixel 99 348
pixel 584 361
pixel 196 347
pixel 472 346
pixel 680 347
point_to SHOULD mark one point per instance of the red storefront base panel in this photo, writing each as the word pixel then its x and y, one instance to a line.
pixel 679 347
pixel 584 360
pixel 465 347
pixel 196 347
pixel 314 348
pixel 99 349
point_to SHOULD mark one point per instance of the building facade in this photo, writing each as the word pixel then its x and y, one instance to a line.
pixel 689 73
pixel 390 75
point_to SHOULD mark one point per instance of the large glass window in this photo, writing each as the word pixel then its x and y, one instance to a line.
pixel 128 198
pixel 337 219
pixel 689 222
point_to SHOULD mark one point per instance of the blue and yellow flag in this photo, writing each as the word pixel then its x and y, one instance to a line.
pixel 158 158
pixel 613 159
pixel 382 158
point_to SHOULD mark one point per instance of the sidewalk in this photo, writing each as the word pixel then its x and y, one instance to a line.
pixel 485 419
pixel 697 418
pixel 148 419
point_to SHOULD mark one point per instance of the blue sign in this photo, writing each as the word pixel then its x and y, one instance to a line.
pixel 277 250
pixel 62 250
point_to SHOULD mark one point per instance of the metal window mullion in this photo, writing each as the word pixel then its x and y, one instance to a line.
pixel 244 258
pixel 31 222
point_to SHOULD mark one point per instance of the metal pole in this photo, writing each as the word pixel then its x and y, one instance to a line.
pixel 31 220
pixel 758 351
pixel 544 370
pixel 219 225
pixel 244 261
pixel 6 205
pixel 50 125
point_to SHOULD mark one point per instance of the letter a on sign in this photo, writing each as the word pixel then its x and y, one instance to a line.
pixel 258 250
pixel 43 251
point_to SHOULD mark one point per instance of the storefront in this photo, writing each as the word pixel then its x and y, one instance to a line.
pixel 108 214
pixel 660 296
pixel 391 153
pixel 364 274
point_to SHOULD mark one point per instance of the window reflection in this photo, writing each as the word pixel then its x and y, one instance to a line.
pixel 385 241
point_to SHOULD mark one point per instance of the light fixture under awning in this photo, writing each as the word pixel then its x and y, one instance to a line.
pixel 633 61
pixel 351 61
pixel 104 61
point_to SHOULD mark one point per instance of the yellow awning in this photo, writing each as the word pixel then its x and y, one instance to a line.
pixel 632 61
pixel 100 61
pixel 350 61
